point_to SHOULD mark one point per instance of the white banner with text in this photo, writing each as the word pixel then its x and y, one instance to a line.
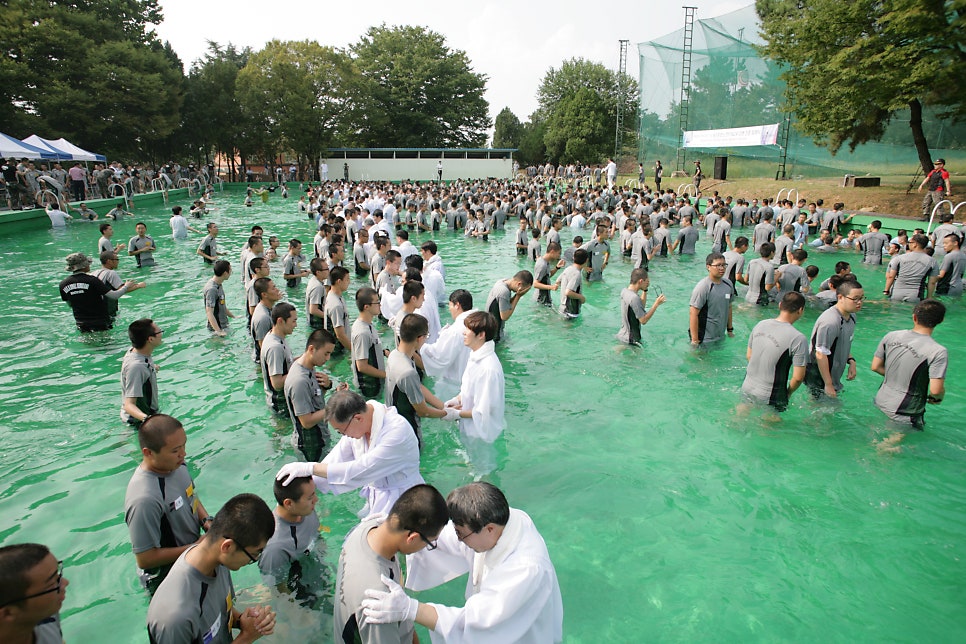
pixel 732 137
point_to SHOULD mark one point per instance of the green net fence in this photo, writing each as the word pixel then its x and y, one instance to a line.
pixel 732 85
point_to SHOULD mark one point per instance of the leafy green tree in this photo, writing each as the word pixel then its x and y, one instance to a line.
pixel 578 129
pixel 91 71
pixel 417 92
pixel 507 130
pixel 532 148
pixel 212 117
pixel 299 93
pixel 851 66
pixel 556 98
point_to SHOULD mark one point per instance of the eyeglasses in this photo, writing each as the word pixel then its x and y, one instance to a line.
pixel 466 536
pixel 430 543
pixel 158 332
pixel 343 430
pixel 242 548
pixel 857 300
pixel 717 265
pixel 55 589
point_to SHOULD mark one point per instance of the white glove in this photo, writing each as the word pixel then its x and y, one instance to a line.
pixel 291 471
pixel 451 414
pixel 394 605
pixel 452 402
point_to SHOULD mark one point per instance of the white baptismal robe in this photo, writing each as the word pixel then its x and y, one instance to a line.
pixel 482 390
pixel 383 467
pixel 446 358
pixel 512 594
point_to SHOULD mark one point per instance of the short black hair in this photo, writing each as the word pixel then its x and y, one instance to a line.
pixel 930 313
pixel 140 331
pixel 282 311
pixel 293 491
pixel 477 505
pixel 462 297
pixel 154 431
pixel 221 267
pixel 16 562
pixel 245 519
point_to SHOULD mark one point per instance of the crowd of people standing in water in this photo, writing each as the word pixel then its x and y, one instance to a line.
pixel 184 553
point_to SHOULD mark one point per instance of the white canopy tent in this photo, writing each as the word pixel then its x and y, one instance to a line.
pixel 44 144
pixel 77 154
pixel 14 148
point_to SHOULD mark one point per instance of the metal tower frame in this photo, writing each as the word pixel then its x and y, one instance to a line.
pixel 685 81
pixel 783 146
pixel 621 73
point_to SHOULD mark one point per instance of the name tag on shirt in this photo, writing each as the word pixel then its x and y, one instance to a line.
pixel 727 296
pixel 212 632
pixel 178 503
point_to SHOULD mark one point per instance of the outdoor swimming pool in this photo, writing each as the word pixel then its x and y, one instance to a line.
pixel 668 518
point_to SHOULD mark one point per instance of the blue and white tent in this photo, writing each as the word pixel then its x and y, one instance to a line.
pixel 17 149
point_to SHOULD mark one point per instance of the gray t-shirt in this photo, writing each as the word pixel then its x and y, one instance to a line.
pixel 776 347
pixel 793 278
pixel 366 345
pixel 155 500
pixel 360 569
pixel 783 244
pixel 764 232
pixel 533 250
pixel 687 240
pixel 214 295
pixel 911 360
pixel 303 395
pixel 713 302
pixel 209 246
pixel 191 606
pixel 831 335
pixel 913 271
pixel 292 265
pixel 104 245
pixel 721 231
pixel 48 631
pixel 598 251
pixel 872 245
pixel 137 243
pixel 497 302
pixel 570 281
pixel 632 310
pixel 388 281
pixel 336 316
pixel 315 294
pixel 661 241
pixel 761 272
pixel 261 325
pixel 276 359
pixel 139 379
pixel 951 283
pixel 735 266
pixel 403 389
pixel 290 543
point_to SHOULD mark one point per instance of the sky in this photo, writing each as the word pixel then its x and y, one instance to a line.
pixel 513 42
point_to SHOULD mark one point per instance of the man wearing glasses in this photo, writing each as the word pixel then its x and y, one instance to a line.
pixel 710 312
pixel 196 602
pixel 378 452
pixel 139 374
pixel 830 347
pixel 512 594
pixel 32 591
pixel 371 551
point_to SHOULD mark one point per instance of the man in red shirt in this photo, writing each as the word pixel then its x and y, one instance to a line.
pixel 938 182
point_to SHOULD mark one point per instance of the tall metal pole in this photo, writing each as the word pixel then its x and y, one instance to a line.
pixel 685 82
pixel 621 73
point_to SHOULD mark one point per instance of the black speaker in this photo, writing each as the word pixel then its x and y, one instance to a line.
pixel 721 168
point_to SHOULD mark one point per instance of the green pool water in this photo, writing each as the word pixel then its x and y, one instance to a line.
pixel 668 518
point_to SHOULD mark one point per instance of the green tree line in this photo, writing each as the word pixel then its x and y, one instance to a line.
pixel 95 72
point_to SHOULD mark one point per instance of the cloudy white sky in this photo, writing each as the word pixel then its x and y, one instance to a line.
pixel 512 42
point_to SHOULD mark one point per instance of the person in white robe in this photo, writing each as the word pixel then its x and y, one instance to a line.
pixel 481 398
pixel 378 454
pixel 446 359
pixel 512 592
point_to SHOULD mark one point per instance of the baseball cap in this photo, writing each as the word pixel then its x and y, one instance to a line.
pixel 940 160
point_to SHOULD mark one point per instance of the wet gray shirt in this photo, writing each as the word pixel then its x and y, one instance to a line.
pixel 911 360
pixel 190 606
pixel 913 271
pixel 776 347
pixel 139 379
pixel 760 273
pixel 713 302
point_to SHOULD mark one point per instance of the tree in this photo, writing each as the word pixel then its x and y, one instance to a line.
pixel 210 95
pixel 417 91
pixel 90 71
pixel 299 93
pixel 851 66
pixel 557 98
pixel 532 148
pixel 507 130
pixel 578 129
